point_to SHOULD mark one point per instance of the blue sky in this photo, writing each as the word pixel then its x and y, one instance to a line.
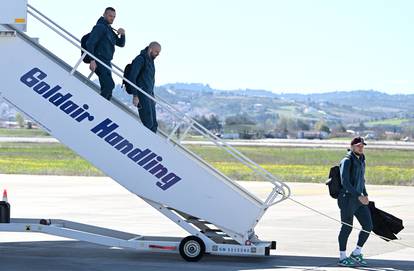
pixel 284 46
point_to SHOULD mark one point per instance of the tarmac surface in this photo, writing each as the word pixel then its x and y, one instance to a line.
pixel 305 240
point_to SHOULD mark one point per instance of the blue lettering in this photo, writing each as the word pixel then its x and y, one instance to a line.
pixel 68 107
pixel 168 181
pixel 41 87
pixel 125 146
pixel 33 79
pixel 137 154
pixel 29 78
pixel 158 171
pixel 104 128
pixel 146 158
pixel 51 92
pixel 153 163
pixel 59 98
pixel 113 139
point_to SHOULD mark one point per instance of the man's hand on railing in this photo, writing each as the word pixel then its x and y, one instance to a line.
pixel 92 65
pixel 135 101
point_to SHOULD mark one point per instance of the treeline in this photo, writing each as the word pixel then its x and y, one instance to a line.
pixel 244 127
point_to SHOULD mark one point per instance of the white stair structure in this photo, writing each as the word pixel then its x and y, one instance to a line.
pixel 218 213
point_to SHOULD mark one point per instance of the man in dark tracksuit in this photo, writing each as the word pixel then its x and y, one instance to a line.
pixel 101 43
pixel 142 73
pixel 353 201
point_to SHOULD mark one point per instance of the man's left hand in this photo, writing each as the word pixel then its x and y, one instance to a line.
pixel 121 31
pixel 135 101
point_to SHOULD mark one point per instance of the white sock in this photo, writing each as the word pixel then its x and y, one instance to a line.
pixel 357 251
pixel 342 255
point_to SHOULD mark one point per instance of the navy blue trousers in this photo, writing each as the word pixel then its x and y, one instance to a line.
pixel 350 207
pixel 147 112
pixel 105 80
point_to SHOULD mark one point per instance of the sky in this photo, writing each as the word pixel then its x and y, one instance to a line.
pixel 301 46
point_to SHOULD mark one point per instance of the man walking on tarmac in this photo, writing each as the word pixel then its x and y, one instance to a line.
pixel 142 74
pixel 101 43
pixel 353 201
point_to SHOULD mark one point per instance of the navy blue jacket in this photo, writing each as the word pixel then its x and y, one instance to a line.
pixel 102 41
pixel 352 171
pixel 142 73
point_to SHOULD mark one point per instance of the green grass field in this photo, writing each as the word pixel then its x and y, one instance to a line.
pixel 41 158
pixel 312 165
pixel 394 122
pixel 22 133
pixel 290 164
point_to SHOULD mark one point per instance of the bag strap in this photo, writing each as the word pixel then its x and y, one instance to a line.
pixel 143 67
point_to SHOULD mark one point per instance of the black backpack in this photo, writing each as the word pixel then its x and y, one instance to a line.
pixel 334 182
pixel 125 85
pixel 87 58
pixel 128 88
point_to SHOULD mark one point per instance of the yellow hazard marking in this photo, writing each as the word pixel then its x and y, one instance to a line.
pixel 20 20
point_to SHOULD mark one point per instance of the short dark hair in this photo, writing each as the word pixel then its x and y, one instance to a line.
pixel 109 8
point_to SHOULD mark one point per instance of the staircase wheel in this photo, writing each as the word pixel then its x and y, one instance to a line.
pixel 192 248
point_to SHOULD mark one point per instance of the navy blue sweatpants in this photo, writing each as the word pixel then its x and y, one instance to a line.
pixel 350 207
pixel 147 112
pixel 105 80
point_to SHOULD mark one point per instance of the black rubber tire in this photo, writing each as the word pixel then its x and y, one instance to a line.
pixel 192 248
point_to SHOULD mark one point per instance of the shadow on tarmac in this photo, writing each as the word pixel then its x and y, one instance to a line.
pixel 76 255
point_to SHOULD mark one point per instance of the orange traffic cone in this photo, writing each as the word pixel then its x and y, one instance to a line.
pixel 5 195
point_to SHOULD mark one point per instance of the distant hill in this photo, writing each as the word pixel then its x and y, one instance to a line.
pixel 342 106
pixel 265 107
pixel 363 98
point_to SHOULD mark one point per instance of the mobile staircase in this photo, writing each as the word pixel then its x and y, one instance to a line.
pixel 219 214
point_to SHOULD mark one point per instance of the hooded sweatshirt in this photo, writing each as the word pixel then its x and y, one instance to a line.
pixel 352 170
pixel 102 41
pixel 142 73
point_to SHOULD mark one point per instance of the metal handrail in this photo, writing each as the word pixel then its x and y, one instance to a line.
pixel 134 114
pixel 158 98
pixel 280 187
pixel 202 130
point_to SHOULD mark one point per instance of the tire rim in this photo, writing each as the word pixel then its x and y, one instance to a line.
pixel 192 249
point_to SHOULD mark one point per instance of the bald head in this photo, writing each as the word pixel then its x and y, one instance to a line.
pixel 154 49
pixel 154 44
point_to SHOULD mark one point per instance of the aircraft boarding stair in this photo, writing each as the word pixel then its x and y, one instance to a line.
pixel 219 214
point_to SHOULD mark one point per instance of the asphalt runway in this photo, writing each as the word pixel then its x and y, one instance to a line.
pixel 305 240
